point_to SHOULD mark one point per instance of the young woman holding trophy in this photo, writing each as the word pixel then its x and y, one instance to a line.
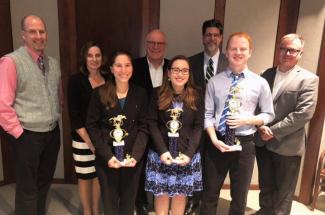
pixel 175 123
pixel 116 123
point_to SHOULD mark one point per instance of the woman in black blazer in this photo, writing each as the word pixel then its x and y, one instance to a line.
pixel 175 122
pixel 80 88
pixel 116 123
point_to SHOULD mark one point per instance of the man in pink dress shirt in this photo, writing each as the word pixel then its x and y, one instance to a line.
pixel 29 112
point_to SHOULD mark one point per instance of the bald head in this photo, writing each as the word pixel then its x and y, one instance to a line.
pixel 155 46
pixel 34 33
pixel 28 17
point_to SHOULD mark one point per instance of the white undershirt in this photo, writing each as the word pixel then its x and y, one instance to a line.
pixel 279 79
pixel 156 75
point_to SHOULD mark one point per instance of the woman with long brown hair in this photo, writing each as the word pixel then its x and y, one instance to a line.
pixel 116 123
pixel 80 88
pixel 175 119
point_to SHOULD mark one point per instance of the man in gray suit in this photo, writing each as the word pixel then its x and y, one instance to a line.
pixel 282 143
pixel 210 57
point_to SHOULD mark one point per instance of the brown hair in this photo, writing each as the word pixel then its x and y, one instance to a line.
pixel 166 92
pixel 107 92
pixel 84 53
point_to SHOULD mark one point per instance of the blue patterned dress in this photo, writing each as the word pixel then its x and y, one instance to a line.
pixel 173 179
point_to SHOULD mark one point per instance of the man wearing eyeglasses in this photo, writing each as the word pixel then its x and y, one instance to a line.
pixel 281 143
pixel 205 65
pixel 29 112
pixel 148 73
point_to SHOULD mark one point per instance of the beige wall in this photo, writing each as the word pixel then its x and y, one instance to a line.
pixel 49 12
pixel 181 20
pixel 259 18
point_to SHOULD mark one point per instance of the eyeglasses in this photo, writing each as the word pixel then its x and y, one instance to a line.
pixel 210 35
pixel 290 50
pixel 154 43
pixel 176 70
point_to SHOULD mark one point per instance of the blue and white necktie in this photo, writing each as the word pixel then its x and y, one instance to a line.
pixel 223 128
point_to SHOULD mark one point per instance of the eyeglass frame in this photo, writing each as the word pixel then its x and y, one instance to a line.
pixel 291 51
pixel 176 71
pixel 154 43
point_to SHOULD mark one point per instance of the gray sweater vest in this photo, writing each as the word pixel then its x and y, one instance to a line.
pixel 37 96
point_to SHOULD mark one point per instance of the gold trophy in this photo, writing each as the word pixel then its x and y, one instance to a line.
pixel 174 125
pixel 118 134
pixel 234 103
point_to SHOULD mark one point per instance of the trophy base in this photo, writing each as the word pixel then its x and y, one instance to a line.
pixel 173 134
pixel 177 161
pixel 125 162
pixel 121 143
pixel 234 148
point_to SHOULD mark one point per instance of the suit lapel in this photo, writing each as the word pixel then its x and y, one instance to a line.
pixel 201 70
pixel 222 63
pixel 147 73
pixel 270 76
pixel 287 82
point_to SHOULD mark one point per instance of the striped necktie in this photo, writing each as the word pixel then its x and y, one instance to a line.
pixel 223 128
pixel 209 70
pixel 40 63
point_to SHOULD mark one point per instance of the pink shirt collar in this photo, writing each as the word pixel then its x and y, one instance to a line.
pixel 33 54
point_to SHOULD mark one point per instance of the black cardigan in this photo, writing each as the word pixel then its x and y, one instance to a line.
pixel 79 93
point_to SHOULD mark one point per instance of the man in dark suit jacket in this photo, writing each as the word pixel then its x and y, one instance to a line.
pixel 148 73
pixel 281 144
pixel 211 37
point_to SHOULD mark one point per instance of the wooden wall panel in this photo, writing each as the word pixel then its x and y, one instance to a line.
pixel 68 61
pixel 288 19
pixel 5 28
pixel 219 14
pixel 113 24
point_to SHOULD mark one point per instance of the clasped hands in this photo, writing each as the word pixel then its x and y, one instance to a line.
pixel 265 133
pixel 115 163
pixel 181 160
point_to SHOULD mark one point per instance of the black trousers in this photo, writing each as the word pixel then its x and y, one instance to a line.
pixel 240 166
pixel 35 155
pixel 277 178
pixel 118 188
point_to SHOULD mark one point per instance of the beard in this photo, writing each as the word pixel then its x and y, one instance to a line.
pixel 212 48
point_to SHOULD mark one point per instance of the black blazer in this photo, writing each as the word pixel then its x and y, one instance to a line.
pixel 197 66
pixel 141 73
pixel 190 133
pixel 79 93
pixel 98 125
